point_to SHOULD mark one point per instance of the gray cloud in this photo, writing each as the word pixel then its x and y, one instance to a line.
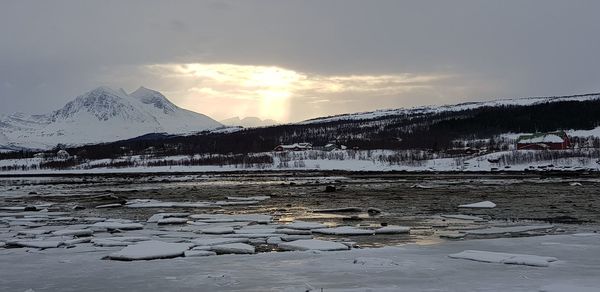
pixel 53 50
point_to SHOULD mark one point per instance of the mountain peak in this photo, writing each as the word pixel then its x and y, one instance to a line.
pixel 149 96
pixel 103 90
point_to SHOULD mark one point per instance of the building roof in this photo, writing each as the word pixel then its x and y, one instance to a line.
pixel 557 137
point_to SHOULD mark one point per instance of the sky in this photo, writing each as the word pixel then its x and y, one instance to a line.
pixel 294 60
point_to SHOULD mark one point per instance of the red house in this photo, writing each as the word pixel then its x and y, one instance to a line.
pixel 544 141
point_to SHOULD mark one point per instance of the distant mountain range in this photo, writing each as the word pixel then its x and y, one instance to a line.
pixel 101 115
pixel 105 115
pixel 248 122
pixel 522 101
pixel 492 125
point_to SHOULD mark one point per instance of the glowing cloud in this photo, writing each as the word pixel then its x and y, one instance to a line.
pixel 226 90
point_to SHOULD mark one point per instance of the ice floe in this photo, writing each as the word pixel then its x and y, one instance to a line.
pixel 238 248
pixel 217 230
pixel 392 229
pixel 291 231
pixel 509 229
pixel 150 203
pixel 258 218
pixel 253 198
pixel 159 216
pixel 36 243
pixel 149 250
pixel 344 230
pixel 482 205
pixel 118 241
pixel 303 225
pixel 313 244
pixel 295 237
pixel 198 253
pixel 116 225
pixel 73 232
pixel 109 206
pixel 218 241
pixel 504 258
pixel 463 217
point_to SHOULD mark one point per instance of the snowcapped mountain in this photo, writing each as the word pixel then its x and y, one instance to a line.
pixel 101 115
pixel 248 122
pixel 455 107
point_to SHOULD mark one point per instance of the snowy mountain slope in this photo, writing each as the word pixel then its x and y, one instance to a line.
pixel 456 107
pixel 101 115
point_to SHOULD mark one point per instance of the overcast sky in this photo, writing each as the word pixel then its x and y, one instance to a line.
pixel 292 60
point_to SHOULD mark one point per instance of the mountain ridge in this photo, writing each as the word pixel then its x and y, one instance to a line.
pixel 102 115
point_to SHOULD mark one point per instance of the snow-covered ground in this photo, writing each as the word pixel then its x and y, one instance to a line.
pixel 364 160
pixel 455 107
pixel 571 264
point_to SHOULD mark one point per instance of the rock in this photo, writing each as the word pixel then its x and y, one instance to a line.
pixel 330 189
pixel 373 211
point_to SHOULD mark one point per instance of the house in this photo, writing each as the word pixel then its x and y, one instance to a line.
pixel 544 141
pixel 334 146
pixel 40 155
pixel 330 147
pixel 462 151
pixel 62 154
pixel 293 147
